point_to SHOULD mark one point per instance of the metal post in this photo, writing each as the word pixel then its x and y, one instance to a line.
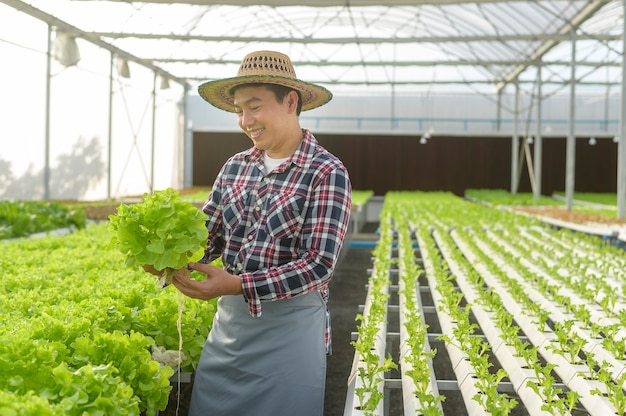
pixel 46 166
pixel 392 107
pixel 152 151
pixel 393 93
pixel 188 143
pixel 110 128
pixel 538 149
pixel 607 97
pixel 570 152
pixel 499 110
pixel 621 146
pixel 515 144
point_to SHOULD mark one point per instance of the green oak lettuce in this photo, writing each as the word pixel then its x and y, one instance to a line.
pixel 163 231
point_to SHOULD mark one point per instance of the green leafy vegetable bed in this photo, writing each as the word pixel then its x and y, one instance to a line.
pixel 78 329
pixel 361 197
pixel 23 218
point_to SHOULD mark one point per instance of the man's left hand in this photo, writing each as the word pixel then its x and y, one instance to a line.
pixel 218 282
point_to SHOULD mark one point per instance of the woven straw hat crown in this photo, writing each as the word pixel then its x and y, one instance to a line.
pixel 265 67
pixel 268 63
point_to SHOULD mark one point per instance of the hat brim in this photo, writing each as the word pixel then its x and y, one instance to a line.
pixel 217 92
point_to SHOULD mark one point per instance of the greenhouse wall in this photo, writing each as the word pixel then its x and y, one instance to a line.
pixel 105 135
pixel 441 113
pixel 385 163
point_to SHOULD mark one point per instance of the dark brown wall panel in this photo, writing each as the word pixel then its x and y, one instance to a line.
pixel 454 164
pixel 210 152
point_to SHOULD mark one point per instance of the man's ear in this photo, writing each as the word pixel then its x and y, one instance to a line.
pixel 292 100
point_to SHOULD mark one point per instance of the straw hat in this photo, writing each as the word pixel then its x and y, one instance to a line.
pixel 266 67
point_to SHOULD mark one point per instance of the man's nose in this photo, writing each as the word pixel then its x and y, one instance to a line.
pixel 246 118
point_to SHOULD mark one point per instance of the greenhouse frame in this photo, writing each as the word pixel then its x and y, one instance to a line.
pixel 483 269
pixel 136 66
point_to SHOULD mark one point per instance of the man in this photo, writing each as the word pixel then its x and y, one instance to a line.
pixel 277 216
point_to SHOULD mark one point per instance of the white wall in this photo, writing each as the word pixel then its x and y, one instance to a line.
pixel 145 143
pixel 445 113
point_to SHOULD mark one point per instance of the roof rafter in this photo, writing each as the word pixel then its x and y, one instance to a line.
pixel 442 82
pixel 319 3
pixel 460 62
pixel 370 40
pixel 66 27
pixel 585 13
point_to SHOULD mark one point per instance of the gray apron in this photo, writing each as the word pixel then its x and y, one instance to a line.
pixel 274 365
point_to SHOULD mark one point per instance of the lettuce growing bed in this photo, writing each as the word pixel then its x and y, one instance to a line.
pixel 591 213
pixel 493 311
pixel 514 316
pixel 27 218
pixel 78 328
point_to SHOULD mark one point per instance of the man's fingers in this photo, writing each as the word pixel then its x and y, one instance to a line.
pixel 182 279
pixel 200 267
pixel 187 286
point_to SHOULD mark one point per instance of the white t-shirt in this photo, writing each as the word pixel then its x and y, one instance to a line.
pixel 271 163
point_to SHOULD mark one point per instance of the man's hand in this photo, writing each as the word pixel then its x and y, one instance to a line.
pixel 218 282
pixel 164 276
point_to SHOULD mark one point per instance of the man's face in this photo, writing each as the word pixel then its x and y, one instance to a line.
pixel 263 118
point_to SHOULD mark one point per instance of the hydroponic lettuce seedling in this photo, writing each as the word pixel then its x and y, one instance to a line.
pixel 163 232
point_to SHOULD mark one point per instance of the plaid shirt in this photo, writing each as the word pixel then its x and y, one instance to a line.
pixel 280 231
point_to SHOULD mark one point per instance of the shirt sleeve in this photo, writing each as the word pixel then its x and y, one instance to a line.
pixel 323 232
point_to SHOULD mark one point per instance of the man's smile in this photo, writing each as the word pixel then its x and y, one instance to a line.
pixel 254 133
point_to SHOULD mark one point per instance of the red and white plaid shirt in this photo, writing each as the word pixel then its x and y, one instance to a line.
pixel 280 231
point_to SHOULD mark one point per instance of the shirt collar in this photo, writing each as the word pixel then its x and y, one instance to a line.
pixel 302 157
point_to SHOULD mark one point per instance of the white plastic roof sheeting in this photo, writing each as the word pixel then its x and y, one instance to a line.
pixel 480 44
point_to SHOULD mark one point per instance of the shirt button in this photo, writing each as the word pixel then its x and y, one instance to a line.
pixel 250 237
pixel 266 179
pixel 257 208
